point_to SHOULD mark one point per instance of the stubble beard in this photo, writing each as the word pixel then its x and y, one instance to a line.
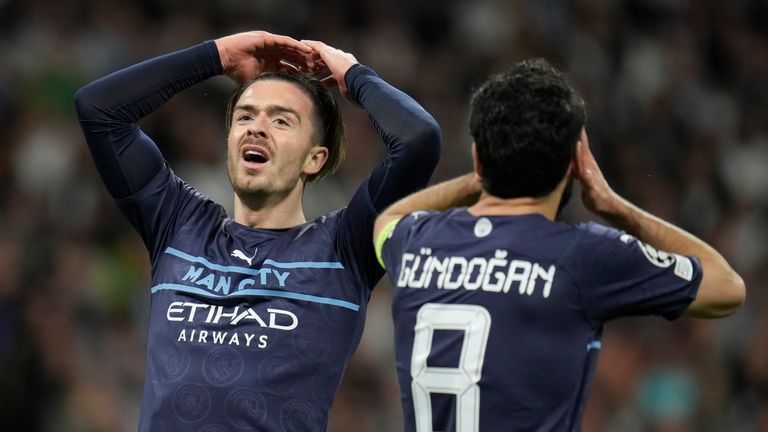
pixel 248 191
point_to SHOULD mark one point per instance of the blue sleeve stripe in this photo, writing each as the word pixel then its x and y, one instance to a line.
pixel 249 271
pixel 258 292
pixel 304 264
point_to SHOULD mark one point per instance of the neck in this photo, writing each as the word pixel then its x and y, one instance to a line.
pixel 270 211
pixel 490 205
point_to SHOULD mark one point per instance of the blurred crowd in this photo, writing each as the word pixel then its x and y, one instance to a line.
pixel 677 94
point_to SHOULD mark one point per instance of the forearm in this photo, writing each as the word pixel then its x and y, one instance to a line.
pixel 658 233
pixel 131 93
pixel 721 290
pixel 410 134
pixel 109 108
pixel 398 118
pixel 458 192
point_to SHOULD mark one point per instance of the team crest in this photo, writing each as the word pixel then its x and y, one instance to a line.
pixel 483 227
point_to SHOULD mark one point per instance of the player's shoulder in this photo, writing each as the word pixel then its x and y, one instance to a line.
pixel 167 197
pixel 193 202
pixel 329 221
pixel 422 216
pixel 431 216
pixel 598 232
pixel 593 237
pixel 427 220
pixel 461 219
pixel 324 226
pixel 579 245
pixel 612 247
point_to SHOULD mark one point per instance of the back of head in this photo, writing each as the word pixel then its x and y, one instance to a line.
pixel 330 127
pixel 525 123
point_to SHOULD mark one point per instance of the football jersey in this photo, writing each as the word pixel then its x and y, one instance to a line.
pixel 249 328
pixel 498 318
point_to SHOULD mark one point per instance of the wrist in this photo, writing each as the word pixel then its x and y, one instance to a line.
pixel 612 206
pixel 221 47
pixel 353 79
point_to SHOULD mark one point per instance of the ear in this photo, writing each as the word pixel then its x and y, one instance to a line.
pixel 476 163
pixel 315 160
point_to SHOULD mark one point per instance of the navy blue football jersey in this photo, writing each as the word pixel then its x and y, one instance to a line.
pixel 498 318
pixel 250 329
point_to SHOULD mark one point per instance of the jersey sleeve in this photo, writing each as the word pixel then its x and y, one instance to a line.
pixel 412 140
pixel 622 276
pixel 128 161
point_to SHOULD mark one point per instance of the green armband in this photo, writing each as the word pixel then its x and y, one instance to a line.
pixel 383 236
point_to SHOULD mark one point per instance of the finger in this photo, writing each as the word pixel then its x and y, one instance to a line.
pixel 319 65
pixel 320 48
pixel 579 161
pixel 316 45
pixel 583 136
pixel 288 41
pixel 586 162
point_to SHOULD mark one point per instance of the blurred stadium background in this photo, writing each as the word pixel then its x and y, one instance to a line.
pixel 677 93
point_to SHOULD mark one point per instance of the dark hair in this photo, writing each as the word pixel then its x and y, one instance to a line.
pixel 328 116
pixel 525 123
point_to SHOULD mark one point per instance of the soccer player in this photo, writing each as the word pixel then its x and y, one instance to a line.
pixel 498 308
pixel 254 317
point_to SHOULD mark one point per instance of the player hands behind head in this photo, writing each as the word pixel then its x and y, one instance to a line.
pixel 253 318
pixel 499 309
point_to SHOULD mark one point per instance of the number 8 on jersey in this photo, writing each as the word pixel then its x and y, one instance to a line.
pixel 475 322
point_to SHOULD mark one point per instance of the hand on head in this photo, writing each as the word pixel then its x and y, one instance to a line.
pixel 246 55
pixel 597 195
pixel 336 61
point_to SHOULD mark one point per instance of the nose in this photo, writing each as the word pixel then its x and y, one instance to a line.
pixel 256 128
pixel 257 132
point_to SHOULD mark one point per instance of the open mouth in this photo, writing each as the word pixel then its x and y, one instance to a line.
pixel 255 155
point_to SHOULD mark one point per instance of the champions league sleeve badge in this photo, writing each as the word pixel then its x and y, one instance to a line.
pixel 659 258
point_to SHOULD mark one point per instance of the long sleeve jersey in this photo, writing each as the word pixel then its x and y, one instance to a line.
pixel 249 328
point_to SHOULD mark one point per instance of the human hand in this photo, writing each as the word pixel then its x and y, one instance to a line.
pixel 596 194
pixel 246 55
pixel 338 63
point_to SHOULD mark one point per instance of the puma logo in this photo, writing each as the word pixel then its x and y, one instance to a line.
pixel 237 253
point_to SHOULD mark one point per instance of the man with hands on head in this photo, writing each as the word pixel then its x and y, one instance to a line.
pixel 498 308
pixel 254 317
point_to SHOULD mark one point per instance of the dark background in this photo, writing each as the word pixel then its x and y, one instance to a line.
pixel 678 111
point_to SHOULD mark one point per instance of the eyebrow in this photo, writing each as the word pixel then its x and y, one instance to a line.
pixel 273 108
